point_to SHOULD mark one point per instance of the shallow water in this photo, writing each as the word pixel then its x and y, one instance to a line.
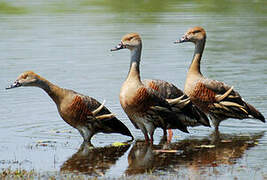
pixel 68 43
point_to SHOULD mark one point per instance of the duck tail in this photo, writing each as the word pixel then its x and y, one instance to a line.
pixel 118 127
pixel 255 113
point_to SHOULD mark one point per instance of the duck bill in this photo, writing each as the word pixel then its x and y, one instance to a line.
pixel 14 85
pixel 182 40
pixel 118 47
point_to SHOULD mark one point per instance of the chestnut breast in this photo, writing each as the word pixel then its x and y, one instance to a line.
pixel 74 110
pixel 134 98
pixel 190 84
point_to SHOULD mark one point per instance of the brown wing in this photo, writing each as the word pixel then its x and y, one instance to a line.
pixel 189 114
pixel 146 97
pixel 216 86
pixel 208 90
pixel 166 90
pixel 232 105
pixel 153 98
pixel 92 104
pixel 85 105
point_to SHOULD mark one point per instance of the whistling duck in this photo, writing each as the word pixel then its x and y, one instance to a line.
pixel 82 112
pixel 144 106
pixel 215 98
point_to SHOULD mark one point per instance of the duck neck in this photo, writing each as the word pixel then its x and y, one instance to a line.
pixel 134 72
pixel 56 93
pixel 195 64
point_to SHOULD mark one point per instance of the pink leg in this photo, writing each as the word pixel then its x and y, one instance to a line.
pixel 151 140
pixel 169 139
pixel 146 138
pixel 151 133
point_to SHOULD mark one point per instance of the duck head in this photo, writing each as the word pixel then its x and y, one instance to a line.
pixel 194 35
pixel 129 41
pixel 27 78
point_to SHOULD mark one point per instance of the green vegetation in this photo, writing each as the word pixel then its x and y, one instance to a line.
pixel 132 7
pixel 6 8
pixel 143 11
pixel 16 174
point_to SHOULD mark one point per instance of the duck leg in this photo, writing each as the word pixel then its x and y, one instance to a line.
pixel 169 138
pixel 151 140
pixel 216 128
pixel 215 122
pixel 146 138
pixel 164 133
pixel 86 134
pixel 151 133
pixel 144 131
pixel 151 129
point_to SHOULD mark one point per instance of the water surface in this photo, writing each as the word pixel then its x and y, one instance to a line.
pixel 68 43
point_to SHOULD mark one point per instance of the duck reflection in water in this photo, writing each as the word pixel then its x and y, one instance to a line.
pixel 194 154
pixel 93 161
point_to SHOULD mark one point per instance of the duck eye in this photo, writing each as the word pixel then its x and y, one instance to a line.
pixel 130 38
pixel 197 31
pixel 25 76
